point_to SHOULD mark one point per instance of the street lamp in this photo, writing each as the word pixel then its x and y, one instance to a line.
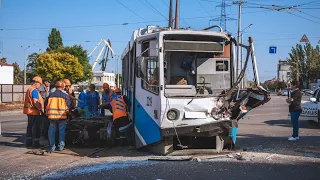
pixel 241 62
pixel 25 66
pixel 38 47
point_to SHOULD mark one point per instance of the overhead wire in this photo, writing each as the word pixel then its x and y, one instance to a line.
pixel 156 10
pixel 117 24
pixel 204 8
pixel 130 9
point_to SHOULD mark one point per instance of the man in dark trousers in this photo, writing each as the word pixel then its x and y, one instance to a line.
pixel 33 108
pixel 295 109
pixel 58 105
pixel 44 91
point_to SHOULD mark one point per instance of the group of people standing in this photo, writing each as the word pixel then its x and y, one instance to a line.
pixel 51 109
pixel 47 108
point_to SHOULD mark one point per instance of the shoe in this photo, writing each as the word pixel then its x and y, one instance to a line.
pixel 60 149
pixel 292 138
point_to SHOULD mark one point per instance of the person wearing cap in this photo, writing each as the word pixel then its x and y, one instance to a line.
pixel 44 90
pixel 58 105
pixel 33 108
pixel 106 98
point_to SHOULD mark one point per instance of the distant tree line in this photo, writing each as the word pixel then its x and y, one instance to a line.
pixel 58 62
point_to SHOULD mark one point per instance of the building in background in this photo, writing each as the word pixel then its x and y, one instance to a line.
pixel 6 73
pixel 99 77
pixel 283 71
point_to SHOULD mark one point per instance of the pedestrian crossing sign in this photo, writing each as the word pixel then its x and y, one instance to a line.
pixel 304 39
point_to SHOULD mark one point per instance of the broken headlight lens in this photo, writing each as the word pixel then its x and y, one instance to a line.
pixel 172 114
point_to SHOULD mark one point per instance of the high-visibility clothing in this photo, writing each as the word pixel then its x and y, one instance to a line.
pixel 119 108
pixel 57 108
pixel 29 106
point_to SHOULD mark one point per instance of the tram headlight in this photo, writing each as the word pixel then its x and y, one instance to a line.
pixel 172 114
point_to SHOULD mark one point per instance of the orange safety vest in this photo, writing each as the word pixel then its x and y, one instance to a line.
pixel 119 108
pixel 29 106
pixel 110 94
pixel 57 108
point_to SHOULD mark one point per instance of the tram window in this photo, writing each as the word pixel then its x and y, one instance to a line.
pixel 152 75
pixel 222 66
pixel 144 47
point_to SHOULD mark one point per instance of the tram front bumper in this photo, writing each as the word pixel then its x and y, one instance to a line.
pixel 214 128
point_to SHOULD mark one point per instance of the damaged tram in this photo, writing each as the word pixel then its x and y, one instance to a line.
pixel 183 90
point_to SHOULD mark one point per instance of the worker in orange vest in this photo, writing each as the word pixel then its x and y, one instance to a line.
pixel 120 113
pixel 57 108
pixel 33 108
pixel 106 98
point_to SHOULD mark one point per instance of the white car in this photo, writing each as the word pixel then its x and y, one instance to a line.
pixel 311 108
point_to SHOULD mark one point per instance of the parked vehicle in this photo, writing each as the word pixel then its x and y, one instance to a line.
pixel 307 92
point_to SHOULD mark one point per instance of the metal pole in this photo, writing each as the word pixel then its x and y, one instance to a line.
pixel 176 25
pixel 170 15
pixel 118 76
pixel 241 65
pixel 254 62
pixel 25 68
pixel 25 65
pixel 239 40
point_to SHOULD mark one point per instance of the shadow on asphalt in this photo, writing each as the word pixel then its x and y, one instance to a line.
pixel 189 170
pixel 17 142
pixel 308 146
pixel 287 123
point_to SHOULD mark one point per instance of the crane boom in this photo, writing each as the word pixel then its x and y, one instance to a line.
pixel 106 45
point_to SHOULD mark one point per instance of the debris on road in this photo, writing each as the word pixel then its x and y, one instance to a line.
pixel 270 156
pixel 38 152
pixel 170 158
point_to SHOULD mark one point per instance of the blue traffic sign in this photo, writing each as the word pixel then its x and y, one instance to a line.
pixel 272 50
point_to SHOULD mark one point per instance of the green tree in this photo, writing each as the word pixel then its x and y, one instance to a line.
pixel 58 66
pixel 81 54
pixel 31 66
pixel 304 60
pixel 18 74
pixel 54 40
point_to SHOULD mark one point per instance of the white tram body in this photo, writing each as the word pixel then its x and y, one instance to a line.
pixel 174 79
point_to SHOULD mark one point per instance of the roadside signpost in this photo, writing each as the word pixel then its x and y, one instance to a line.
pixel 273 50
pixel 304 39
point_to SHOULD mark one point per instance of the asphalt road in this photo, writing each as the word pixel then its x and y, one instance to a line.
pixel 263 131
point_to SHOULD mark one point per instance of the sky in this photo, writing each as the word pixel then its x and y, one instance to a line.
pixel 84 22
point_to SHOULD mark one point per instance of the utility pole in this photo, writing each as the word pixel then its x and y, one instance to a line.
pixel 239 39
pixel 25 65
pixel 223 16
pixel 176 22
pixel 170 15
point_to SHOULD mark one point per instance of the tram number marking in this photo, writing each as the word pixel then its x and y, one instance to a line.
pixel 149 101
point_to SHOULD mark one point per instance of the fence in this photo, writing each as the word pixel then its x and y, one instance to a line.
pixel 12 93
